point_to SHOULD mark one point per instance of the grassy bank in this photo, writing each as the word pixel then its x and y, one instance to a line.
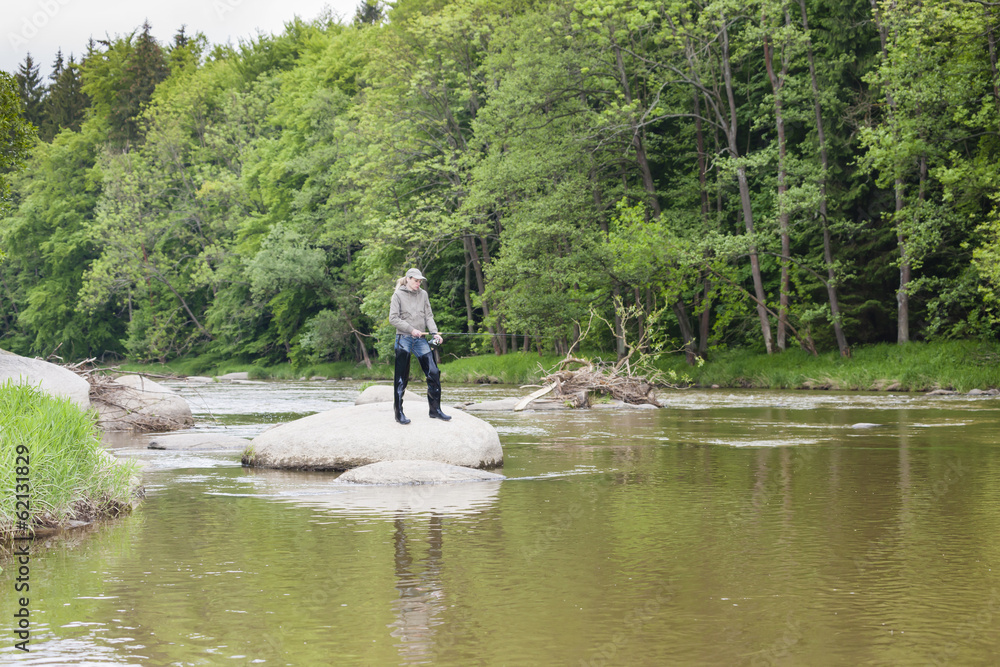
pixel 515 368
pixel 52 466
pixel 958 365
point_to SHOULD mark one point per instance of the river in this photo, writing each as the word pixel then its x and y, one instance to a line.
pixel 730 528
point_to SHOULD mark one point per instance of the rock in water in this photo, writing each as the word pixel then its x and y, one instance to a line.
pixel 198 442
pixel 358 435
pixel 142 404
pixel 414 472
pixel 52 379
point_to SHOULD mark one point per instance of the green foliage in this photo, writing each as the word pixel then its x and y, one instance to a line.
pixel 71 475
pixel 254 204
pixel 15 134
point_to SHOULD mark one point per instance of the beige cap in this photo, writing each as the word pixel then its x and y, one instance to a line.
pixel 415 273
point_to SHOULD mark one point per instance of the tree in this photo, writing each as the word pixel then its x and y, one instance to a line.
pixel 29 84
pixel 16 135
pixel 369 12
pixel 66 102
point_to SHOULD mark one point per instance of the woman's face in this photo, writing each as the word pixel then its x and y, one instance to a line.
pixel 413 283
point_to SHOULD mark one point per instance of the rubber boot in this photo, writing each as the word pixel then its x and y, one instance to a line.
pixel 400 378
pixel 433 374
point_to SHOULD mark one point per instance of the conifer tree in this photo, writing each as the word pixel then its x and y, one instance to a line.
pixel 145 66
pixel 66 102
pixel 29 84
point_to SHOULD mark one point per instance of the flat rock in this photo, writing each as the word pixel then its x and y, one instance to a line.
pixel 229 377
pixel 414 472
pixel 52 379
pixel 865 425
pixel 942 392
pixel 622 405
pixel 383 393
pixel 198 442
pixel 359 435
pixel 499 405
pixel 142 404
pixel 199 379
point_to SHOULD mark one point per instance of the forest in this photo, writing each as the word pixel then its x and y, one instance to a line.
pixel 694 175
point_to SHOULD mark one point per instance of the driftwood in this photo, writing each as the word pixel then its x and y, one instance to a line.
pixel 104 390
pixel 576 386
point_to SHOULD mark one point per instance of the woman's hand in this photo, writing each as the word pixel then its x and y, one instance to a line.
pixel 437 339
pixel 416 333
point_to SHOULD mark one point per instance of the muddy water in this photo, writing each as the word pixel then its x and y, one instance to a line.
pixel 730 528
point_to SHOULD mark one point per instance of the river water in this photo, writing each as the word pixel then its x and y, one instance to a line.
pixel 731 528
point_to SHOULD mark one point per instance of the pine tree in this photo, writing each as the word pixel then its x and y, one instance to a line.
pixel 66 101
pixel 29 85
pixel 145 67
pixel 369 12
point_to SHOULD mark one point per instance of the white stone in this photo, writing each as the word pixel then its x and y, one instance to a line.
pixel 499 405
pixel 141 401
pixel 358 435
pixel 414 472
pixel 50 378
pixel 242 375
pixel 382 393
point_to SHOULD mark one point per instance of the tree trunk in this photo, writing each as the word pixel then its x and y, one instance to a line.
pixel 744 186
pixel 902 294
pixel 470 326
pixel 777 82
pixel 640 150
pixel 473 253
pixel 687 334
pixel 831 278
pixel 704 319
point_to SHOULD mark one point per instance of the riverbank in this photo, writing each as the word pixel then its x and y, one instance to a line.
pixel 949 365
pixel 53 464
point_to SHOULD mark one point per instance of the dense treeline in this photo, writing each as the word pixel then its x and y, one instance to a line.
pixel 766 174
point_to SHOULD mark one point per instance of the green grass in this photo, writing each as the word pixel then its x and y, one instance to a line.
pixel 56 446
pixel 513 368
pixel 957 365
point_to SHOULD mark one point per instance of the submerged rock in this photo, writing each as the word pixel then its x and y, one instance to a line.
pixel 382 393
pixel 138 403
pixel 52 379
pixel 499 405
pixel 414 472
pixel 198 442
pixel 359 435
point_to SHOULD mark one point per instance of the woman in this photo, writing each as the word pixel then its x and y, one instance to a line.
pixel 410 313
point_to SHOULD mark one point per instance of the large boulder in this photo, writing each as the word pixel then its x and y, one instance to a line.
pixel 358 435
pixel 383 393
pixel 414 472
pixel 52 379
pixel 134 402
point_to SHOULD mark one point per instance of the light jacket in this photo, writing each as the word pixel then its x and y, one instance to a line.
pixel 411 310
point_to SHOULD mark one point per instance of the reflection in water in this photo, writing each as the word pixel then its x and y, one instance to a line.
pixel 421 593
pixel 868 546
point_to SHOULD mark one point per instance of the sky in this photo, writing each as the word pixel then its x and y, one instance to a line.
pixel 41 27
